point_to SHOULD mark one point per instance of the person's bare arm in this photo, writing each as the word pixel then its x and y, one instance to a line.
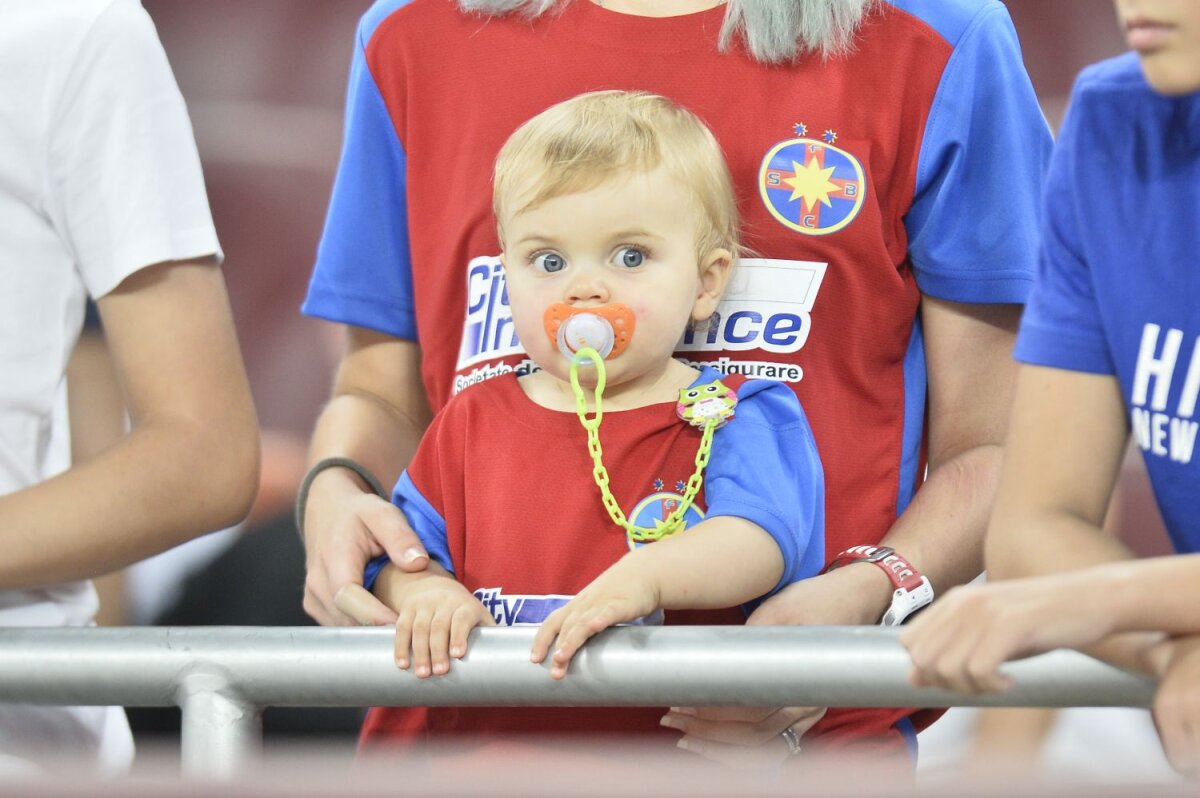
pixel 189 463
pixel 721 562
pixel 376 417
pixel 970 376
pixel 1063 454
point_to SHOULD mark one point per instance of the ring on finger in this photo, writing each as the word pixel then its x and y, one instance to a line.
pixel 792 739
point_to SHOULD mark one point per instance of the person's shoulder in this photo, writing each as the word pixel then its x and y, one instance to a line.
pixel 951 19
pixel 768 402
pixel 387 18
pixel 1120 75
pixel 62 25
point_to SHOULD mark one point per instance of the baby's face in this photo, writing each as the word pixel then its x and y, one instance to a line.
pixel 629 241
pixel 1166 36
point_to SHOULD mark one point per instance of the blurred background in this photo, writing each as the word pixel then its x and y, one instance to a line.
pixel 264 81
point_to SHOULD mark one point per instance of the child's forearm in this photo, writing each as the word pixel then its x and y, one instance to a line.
pixel 392 585
pixel 720 562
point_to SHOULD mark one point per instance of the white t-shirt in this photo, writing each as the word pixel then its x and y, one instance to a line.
pixel 99 177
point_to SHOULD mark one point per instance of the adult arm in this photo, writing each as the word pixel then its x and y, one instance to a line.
pixel 970 373
pixel 376 417
pixel 1177 706
pixel 1063 456
pixel 941 532
pixel 190 461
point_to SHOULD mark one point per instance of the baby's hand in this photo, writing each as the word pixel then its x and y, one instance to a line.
pixel 622 593
pixel 435 619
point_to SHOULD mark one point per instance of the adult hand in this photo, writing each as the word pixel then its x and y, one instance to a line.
pixel 960 642
pixel 741 737
pixel 1177 706
pixel 344 528
pixel 750 736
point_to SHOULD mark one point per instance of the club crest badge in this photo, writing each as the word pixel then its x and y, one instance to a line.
pixel 652 511
pixel 811 186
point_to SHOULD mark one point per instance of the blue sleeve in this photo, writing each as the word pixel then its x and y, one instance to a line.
pixel 765 468
pixel 973 224
pixel 1061 326
pixel 426 521
pixel 363 273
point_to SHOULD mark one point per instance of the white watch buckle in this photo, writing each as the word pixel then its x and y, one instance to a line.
pixel 906 602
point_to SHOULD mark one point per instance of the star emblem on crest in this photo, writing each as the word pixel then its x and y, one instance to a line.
pixel 829 136
pixel 800 128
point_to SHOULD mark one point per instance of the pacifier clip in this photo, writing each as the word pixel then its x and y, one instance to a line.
pixel 707 407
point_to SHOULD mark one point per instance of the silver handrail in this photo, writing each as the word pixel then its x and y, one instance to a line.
pixel 222 677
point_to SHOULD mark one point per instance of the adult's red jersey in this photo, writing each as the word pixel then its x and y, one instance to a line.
pixel 909 166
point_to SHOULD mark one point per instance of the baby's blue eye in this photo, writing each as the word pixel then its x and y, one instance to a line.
pixel 549 262
pixel 630 257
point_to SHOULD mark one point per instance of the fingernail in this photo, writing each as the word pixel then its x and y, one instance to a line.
pixel 689 711
pixel 402 664
pixel 684 744
pixel 412 555
pixel 456 652
pixel 670 722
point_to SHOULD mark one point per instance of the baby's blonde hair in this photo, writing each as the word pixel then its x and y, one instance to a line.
pixel 578 144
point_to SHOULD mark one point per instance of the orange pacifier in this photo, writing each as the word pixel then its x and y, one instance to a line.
pixel 607 329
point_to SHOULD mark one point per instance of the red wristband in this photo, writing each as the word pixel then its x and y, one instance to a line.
pixel 910 589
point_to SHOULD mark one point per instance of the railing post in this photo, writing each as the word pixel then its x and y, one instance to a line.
pixel 221 732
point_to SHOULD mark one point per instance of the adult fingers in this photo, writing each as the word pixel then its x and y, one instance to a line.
pixel 390 530
pixel 738 714
pixel 755 731
pixel 1175 715
pixel 927 638
pixel 327 575
pixel 748 747
pixel 359 604
pixel 950 668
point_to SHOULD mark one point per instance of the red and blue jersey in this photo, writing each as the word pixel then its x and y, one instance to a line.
pixel 909 166
pixel 1118 289
pixel 501 494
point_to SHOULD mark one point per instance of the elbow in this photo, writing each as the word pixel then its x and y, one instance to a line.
pixel 1008 547
pixel 228 463
pixel 244 467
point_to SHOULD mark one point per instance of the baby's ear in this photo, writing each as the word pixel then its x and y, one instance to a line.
pixel 715 269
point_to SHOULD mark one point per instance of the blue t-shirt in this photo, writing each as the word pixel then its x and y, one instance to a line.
pixel 1118 288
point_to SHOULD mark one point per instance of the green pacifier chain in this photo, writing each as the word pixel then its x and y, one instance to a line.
pixel 674 521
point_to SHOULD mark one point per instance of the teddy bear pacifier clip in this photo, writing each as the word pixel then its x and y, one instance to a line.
pixel 590 336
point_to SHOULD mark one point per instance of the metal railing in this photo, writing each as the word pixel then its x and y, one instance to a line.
pixel 222 677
